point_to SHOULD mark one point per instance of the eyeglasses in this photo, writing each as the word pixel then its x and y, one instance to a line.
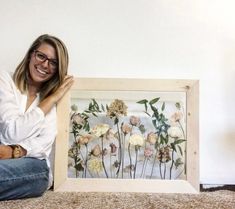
pixel 41 57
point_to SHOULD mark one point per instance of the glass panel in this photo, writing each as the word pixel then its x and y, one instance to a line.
pixel 127 134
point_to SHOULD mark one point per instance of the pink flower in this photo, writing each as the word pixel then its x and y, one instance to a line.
pixel 83 140
pixel 148 152
pixel 177 116
pixel 113 148
pixel 77 119
pixel 135 121
pixel 126 129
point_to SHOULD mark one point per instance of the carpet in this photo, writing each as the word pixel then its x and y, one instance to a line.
pixel 70 200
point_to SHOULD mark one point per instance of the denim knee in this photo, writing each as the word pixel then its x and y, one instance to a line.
pixel 23 177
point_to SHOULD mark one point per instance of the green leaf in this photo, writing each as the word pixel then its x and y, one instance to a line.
pixel 154 123
pixel 180 149
pixel 178 162
pixel 153 101
pixel 147 114
pixel 178 106
pixel 179 141
pixel 116 121
pixel 144 101
pixel 79 167
pixel 173 147
pixel 102 107
pixel 163 106
pixel 146 107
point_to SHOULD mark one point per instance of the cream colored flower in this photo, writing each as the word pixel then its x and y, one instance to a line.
pixel 95 165
pixel 117 108
pixel 177 116
pixel 175 132
pixel 96 151
pixel 136 140
pixel 152 138
pixel 110 134
pixel 100 129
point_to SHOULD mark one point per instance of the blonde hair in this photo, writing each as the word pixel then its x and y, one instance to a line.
pixel 21 73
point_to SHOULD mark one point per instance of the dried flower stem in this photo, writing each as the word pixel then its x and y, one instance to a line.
pixel 102 148
pixel 129 151
pixel 172 162
pixel 136 154
pixel 160 169
pixel 185 156
pixel 119 150
pixel 123 153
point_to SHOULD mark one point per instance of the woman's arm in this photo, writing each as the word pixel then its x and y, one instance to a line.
pixel 15 125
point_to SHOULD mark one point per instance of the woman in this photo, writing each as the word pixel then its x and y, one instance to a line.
pixel 28 118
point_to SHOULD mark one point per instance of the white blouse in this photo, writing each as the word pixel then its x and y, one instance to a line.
pixel 30 129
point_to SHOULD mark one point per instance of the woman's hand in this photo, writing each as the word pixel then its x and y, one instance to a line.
pixel 65 86
pixel 51 100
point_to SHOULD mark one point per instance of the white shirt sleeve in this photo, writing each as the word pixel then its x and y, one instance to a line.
pixel 41 145
pixel 32 129
pixel 15 125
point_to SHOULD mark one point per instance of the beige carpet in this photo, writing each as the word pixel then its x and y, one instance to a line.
pixel 52 200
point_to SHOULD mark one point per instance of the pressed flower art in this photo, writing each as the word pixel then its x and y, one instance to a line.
pixel 118 138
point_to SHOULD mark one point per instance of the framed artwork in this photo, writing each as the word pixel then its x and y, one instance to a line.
pixel 128 135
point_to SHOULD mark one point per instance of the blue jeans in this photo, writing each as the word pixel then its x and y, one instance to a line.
pixel 23 178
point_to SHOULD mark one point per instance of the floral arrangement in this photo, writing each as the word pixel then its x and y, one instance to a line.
pixel 106 142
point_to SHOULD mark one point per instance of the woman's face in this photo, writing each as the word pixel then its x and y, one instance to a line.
pixel 43 64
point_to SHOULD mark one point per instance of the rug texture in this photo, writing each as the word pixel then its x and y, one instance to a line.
pixel 70 200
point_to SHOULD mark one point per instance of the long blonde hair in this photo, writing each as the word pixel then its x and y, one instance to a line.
pixel 21 73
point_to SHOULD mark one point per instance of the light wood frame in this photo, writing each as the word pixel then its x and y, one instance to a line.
pixel 190 185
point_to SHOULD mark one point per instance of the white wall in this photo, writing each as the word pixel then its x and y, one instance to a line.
pixel 192 39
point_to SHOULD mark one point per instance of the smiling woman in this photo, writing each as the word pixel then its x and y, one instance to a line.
pixel 28 118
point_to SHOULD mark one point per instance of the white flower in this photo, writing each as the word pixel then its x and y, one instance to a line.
pixel 136 140
pixel 174 132
pixel 100 129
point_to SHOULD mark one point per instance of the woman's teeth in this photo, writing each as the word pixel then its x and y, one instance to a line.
pixel 42 72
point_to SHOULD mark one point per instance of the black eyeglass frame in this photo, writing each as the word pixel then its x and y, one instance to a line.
pixel 52 63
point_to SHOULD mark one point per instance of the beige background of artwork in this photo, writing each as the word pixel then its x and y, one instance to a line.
pixel 191 185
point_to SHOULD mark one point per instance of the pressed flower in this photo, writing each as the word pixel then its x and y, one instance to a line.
pixel 136 140
pixel 83 140
pixel 113 148
pixel 110 134
pixel 74 108
pixel 152 138
pixel 174 132
pixel 100 129
pixel 177 116
pixel 77 119
pixel 96 151
pixel 126 129
pixel 164 154
pixel 135 121
pixel 95 165
pixel 148 152
pixel 117 108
